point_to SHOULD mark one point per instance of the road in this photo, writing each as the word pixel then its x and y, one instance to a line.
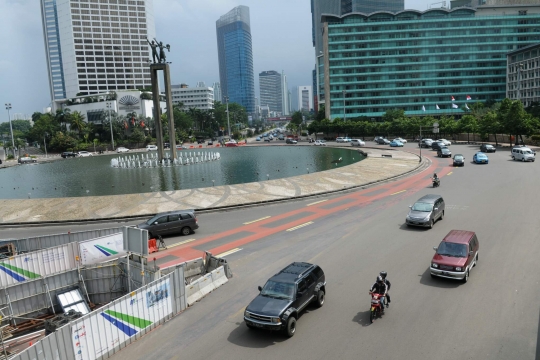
pixel 355 235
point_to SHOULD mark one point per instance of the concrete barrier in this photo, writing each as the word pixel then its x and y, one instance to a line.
pixel 218 277
pixel 193 293
pixel 194 267
pixel 205 284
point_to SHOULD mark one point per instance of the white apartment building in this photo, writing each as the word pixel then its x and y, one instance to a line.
pixel 201 98
pixel 305 98
pixel 95 46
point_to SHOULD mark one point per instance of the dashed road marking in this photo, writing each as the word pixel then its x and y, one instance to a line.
pixel 457 207
pixel 317 202
pixel 180 243
pixel 251 222
pixel 399 192
pixel 228 252
pixel 300 226
pixel 450 173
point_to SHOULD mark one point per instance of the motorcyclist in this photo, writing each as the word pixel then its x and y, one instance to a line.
pixel 436 178
pixel 380 288
pixel 384 274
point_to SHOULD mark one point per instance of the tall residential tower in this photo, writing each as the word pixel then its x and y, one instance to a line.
pixel 271 90
pixel 236 57
pixel 96 47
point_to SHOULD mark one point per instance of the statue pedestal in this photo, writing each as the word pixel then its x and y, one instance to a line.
pixel 154 68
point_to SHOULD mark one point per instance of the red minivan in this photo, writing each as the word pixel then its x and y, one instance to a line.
pixel 456 255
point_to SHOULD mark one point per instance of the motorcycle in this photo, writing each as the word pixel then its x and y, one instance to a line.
pixel 436 182
pixel 376 306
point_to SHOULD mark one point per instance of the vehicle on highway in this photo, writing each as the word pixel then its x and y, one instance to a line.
pixel 376 306
pixel 151 147
pixel 269 138
pixel 26 160
pixel 436 182
pixel 265 135
pixel 291 141
pixel 181 147
pixel 281 137
pixel 258 138
pixel 445 142
pixel 480 158
pixel 284 296
pixel 67 154
pixel 84 154
pixel 357 142
pixel 487 148
pixel 210 142
pixel 455 256
pixel 172 222
pixel 436 145
pixel 320 143
pixel 166 145
pixel 402 140
pixel 340 140
pixel 426 211
pixel 121 149
pixel 523 154
pixel 382 141
pixel 444 152
pixel 396 143
pixel 459 160
pixel 231 143
pixel 425 143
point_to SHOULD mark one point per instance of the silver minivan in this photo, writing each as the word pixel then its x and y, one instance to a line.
pixel 426 211
pixel 173 222
pixel 523 154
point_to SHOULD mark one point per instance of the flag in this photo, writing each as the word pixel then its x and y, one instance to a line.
pixel 142 124
pixel 423 108
pixel 468 97
pixel 466 107
pixel 454 106
pixel 437 107
pixel 125 125
pixel 132 121
pixel 453 98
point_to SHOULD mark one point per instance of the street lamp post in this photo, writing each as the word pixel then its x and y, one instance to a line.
pixel 344 113
pixel 8 107
pixel 228 123
pixel 109 105
pixel 45 143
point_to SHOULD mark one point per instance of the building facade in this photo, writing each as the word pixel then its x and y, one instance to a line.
pixel 285 99
pixel 199 97
pixel 217 91
pixel 424 62
pixel 305 98
pixel 523 75
pixel 93 47
pixel 271 90
pixel 236 57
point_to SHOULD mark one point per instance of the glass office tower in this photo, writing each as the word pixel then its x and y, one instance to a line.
pixel 427 62
pixel 52 49
pixel 236 57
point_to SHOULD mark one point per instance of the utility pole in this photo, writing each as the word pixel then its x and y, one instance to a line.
pixel 109 105
pixel 8 107
pixel 228 123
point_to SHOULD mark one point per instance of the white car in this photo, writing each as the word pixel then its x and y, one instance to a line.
pixel 122 149
pixel 347 139
pixel 401 140
pixel 84 154
pixel 445 142
pixel 151 147
pixel 340 139
pixel 320 143
pixel 357 142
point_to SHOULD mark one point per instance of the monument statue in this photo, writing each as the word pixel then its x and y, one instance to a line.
pixel 154 46
pixel 162 57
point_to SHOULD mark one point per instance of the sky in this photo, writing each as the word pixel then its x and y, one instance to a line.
pixel 280 30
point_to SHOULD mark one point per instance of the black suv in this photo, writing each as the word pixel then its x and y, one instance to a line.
pixel 284 296
pixel 437 145
pixel 67 154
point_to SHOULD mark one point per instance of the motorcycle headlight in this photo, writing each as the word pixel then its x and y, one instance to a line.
pixel 458 268
pixel 436 266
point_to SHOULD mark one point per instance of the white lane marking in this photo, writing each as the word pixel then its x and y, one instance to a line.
pixel 180 243
pixel 228 252
pixel 300 226
pixel 317 202
pixel 251 222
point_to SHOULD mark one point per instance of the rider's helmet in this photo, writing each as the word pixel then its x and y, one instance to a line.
pixel 383 274
pixel 435 175
pixel 379 279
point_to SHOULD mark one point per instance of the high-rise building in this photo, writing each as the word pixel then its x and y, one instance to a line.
pixel 217 91
pixel 236 57
pixel 271 90
pixel 199 97
pixel 523 78
pixel 93 48
pixel 446 58
pixel 305 98
pixel 286 100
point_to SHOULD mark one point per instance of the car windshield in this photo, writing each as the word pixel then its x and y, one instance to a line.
pixel 425 207
pixel 452 249
pixel 445 150
pixel 458 157
pixel 278 290
pixel 152 220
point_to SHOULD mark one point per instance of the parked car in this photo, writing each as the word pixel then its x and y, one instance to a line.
pixel 487 148
pixel 172 222
pixel 445 142
pixel 210 142
pixel 403 141
pixel 200 141
pixel 284 296
pixel 425 143
pixel 67 154
pixel 523 154
pixel 291 141
pixel 382 141
pixel 340 140
pixel 320 143
pixel 281 137
pixel 444 152
pixel 357 142
pixel 396 143
pixel 455 256
pixel 122 149
pixel 84 154
pixel 426 211
pixel 166 145
pixel 26 160
pixel 258 138
pixel 269 138
pixel 151 147
pixel 377 138
pixel 436 145
pixel 181 147
pixel 459 160
pixel 480 158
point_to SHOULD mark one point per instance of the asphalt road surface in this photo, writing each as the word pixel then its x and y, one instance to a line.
pixel 355 235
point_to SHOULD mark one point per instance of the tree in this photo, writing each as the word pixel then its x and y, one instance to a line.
pixel 468 124
pixel 137 136
pixel 297 118
pixel 320 114
pixel 393 114
pixel 77 122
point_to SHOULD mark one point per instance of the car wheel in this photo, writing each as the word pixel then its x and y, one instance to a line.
pixel 466 278
pixel 291 327
pixel 431 224
pixel 476 260
pixel 320 299
pixel 522 159
pixel 513 158
pixel 186 230
pixel 442 215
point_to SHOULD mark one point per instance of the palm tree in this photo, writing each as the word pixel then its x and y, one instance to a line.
pixel 77 122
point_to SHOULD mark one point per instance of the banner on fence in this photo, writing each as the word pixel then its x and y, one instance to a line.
pixel 37 264
pixel 101 249
pixel 104 330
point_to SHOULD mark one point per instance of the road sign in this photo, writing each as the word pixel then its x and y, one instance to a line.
pixel 436 125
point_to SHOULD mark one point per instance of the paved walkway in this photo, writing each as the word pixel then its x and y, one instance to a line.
pixel 375 168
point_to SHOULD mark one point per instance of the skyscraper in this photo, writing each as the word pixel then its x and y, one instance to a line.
pixel 217 91
pixel 271 90
pixel 305 98
pixel 94 48
pixel 236 57
pixel 285 94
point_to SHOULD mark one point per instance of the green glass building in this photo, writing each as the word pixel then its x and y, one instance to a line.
pixel 434 62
